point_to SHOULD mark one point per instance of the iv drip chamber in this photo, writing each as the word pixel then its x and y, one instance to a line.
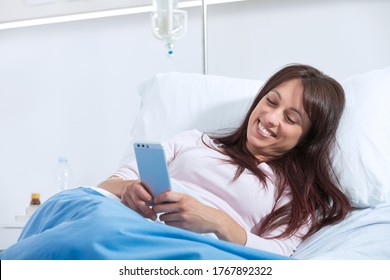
pixel 169 24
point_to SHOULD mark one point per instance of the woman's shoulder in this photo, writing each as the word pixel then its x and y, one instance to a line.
pixel 193 133
pixel 185 137
pixel 182 141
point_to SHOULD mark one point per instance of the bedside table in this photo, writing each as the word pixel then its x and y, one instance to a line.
pixel 9 234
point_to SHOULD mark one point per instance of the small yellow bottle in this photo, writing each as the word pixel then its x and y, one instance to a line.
pixel 34 204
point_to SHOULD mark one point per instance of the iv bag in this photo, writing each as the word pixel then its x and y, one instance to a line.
pixel 169 24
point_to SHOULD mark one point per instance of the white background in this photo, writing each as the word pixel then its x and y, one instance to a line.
pixel 108 269
pixel 70 89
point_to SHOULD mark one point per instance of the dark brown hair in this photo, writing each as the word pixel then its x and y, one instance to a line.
pixel 305 172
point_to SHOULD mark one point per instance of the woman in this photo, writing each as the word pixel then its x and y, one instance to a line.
pixel 269 184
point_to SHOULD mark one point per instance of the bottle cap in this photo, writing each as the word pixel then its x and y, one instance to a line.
pixel 35 195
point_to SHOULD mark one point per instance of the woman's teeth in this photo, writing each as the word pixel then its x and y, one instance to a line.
pixel 264 130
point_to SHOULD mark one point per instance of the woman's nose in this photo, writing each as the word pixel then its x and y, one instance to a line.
pixel 273 118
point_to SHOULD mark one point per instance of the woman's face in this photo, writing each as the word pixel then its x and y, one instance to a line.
pixel 278 122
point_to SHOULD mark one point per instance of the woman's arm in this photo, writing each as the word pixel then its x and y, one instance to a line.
pixel 184 211
pixel 114 185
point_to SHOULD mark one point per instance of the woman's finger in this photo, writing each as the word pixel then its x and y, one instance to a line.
pixel 142 193
pixel 168 197
pixel 138 199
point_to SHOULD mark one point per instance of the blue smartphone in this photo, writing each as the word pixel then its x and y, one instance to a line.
pixel 152 167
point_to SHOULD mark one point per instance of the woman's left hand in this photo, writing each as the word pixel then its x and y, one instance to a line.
pixel 184 211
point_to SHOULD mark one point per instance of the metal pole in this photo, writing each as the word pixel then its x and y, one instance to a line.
pixel 204 36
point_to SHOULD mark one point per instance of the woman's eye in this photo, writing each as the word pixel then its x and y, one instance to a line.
pixel 290 120
pixel 271 102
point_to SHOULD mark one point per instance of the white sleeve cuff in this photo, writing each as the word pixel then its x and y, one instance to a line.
pixel 106 193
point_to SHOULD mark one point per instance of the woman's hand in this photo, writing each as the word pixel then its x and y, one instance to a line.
pixel 132 194
pixel 184 211
pixel 136 197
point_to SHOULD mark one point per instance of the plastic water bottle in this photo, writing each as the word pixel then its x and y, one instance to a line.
pixel 64 174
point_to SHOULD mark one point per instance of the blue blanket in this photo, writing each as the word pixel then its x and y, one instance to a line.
pixel 83 224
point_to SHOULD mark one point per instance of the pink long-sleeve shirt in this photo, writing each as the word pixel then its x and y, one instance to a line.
pixel 205 173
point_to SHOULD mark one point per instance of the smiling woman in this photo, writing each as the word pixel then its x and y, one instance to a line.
pixel 59 227
pixel 278 122
pixel 299 155
pixel 275 185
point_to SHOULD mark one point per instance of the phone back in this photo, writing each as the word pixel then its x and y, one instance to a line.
pixel 152 167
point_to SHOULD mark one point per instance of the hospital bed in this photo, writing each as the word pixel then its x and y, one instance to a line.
pixel 84 224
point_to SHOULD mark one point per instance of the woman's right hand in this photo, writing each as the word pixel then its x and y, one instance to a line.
pixel 132 194
pixel 136 197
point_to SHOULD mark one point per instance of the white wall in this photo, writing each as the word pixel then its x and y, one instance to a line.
pixel 341 37
pixel 70 89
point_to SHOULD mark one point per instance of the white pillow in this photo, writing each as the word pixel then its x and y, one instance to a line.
pixel 173 102
pixel 363 158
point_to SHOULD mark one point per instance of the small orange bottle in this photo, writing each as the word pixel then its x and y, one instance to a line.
pixel 35 199
pixel 34 204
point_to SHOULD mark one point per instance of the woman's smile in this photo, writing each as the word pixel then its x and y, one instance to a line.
pixel 265 132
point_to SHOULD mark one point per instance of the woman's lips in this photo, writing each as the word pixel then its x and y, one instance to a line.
pixel 264 131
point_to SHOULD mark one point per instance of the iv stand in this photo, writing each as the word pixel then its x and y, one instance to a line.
pixel 204 37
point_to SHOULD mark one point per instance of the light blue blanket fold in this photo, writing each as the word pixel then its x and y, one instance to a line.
pixel 83 224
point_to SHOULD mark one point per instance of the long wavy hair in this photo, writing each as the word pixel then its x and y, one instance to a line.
pixel 305 172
